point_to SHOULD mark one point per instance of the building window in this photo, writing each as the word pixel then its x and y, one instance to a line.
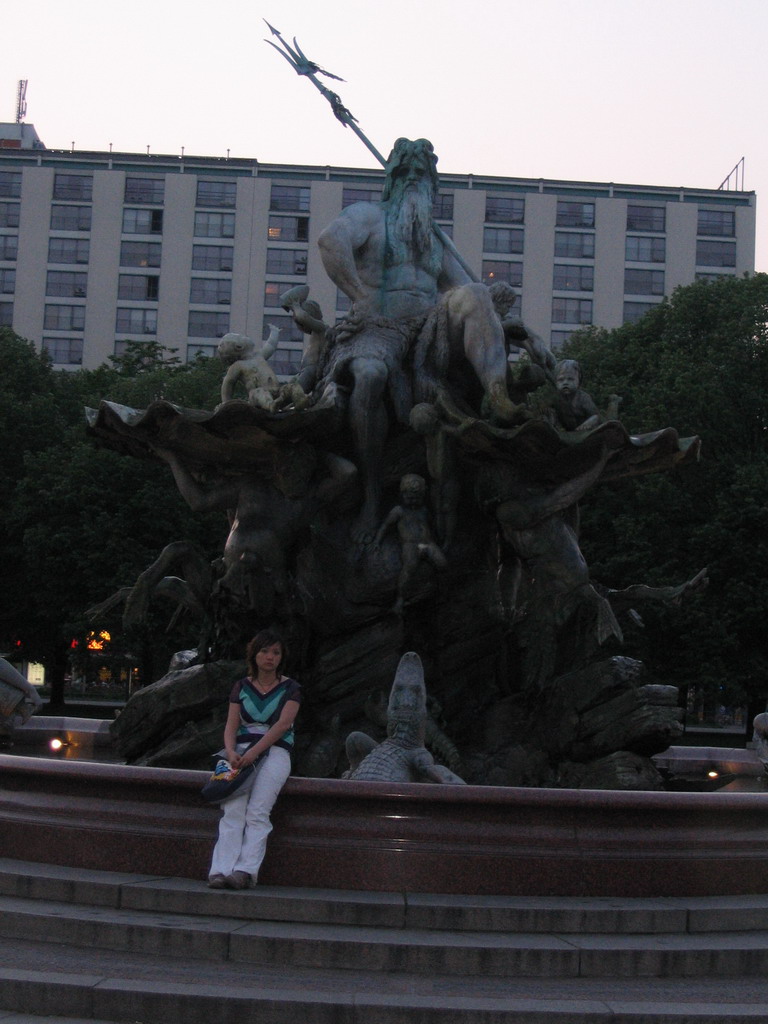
pixel 9 247
pixel 121 347
pixel 715 254
pixel 212 257
pixel 558 338
pixel 272 292
pixel 9 215
pixel 289 330
pixel 6 314
pixel 575 215
pixel 502 240
pixel 573 277
pixel 703 276
pixel 7 281
pixel 10 184
pixel 646 218
pixel 196 351
pixel 717 222
pixel 66 284
pixel 210 290
pixel 65 351
pixel 136 321
pixel 442 206
pixel 634 311
pixel 575 244
pixel 349 196
pixel 503 210
pixel 217 193
pixel 571 311
pixel 502 270
pixel 288 229
pixel 203 324
pixel 287 261
pixel 71 218
pixel 64 318
pixel 142 222
pixel 78 187
pixel 286 361
pixel 289 197
pixel 644 249
pixel 215 225
pixel 643 282
pixel 145 190
pixel 140 254
pixel 138 287
pixel 68 250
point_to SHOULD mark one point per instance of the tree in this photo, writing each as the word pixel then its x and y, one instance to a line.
pixel 698 362
pixel 30 421
pixel 78 521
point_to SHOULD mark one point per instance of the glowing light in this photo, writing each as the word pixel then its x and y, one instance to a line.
pixel 56 743
pixel 713 774
pixel 98 641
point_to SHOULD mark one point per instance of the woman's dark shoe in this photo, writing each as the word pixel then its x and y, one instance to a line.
pixel 217 882
pixel 238 880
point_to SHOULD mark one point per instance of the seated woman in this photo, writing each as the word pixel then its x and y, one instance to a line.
pixel 262 710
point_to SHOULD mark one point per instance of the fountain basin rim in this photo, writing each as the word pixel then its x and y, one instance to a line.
pixel 339 834
pixel 341 789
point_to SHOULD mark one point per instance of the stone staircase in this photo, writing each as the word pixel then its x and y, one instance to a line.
pixel 79 945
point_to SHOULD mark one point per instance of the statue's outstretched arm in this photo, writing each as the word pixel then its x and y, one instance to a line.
pixel 539 353
pixel 669 595
pixel 269 347
pixel 199 499
pixel 525 511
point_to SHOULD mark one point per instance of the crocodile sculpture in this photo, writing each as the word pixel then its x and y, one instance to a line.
pixel 402 756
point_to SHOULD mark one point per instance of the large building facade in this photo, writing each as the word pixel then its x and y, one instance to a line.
pixel 97 249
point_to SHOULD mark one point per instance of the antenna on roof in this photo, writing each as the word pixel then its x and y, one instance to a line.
pixel 21 100
pixel 737 174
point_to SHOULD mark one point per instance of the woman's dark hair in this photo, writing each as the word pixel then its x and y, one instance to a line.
pixel 264 638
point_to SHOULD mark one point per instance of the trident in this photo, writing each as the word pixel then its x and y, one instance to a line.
pixel 303 66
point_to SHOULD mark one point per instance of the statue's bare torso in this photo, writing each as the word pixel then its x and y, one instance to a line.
pixel 354 250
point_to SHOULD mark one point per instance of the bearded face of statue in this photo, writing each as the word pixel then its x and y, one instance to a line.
pixel 409 195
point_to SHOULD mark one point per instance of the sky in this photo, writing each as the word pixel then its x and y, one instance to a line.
pixel 659 92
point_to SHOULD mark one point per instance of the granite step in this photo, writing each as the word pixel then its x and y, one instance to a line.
pixel 107 986
pixel 555 914
pixel 411 950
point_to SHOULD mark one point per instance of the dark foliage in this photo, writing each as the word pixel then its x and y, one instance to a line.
pixel 78 521
pixel 699 362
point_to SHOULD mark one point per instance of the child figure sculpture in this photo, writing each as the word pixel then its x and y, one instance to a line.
pixel 415 538
pixel 308 316
pixel 574 407
pixel 249 364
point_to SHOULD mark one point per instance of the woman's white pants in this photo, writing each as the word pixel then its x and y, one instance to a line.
pixel 245 823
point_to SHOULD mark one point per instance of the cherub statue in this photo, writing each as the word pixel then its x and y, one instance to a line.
pixel 415 538
pixel 250 364
pixel 574 409
pixel 309 317
pixel 516 333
